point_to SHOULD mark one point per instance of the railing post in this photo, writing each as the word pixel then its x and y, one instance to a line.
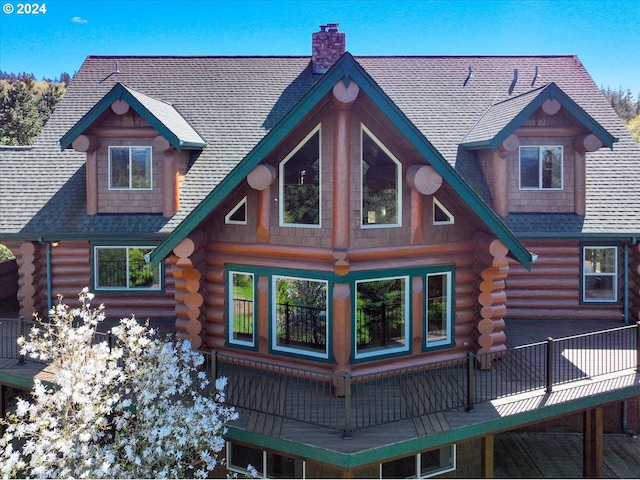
pixel 213 367
pixel 638 347
pixel 19 334
pixel 287 328
pixel 549 385
pixel 471 382
pixel 347 407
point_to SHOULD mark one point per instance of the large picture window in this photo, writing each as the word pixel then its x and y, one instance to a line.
pixel 381 316
pixel 130 168
pixel 439 312
pixel 242 324
pixel 300 183
pixel 381 171
pixel 541 168
pixel 600 274
pixel 125 268
pixel 299 310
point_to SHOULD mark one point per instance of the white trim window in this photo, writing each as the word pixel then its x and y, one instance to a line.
pixel 600 274
pixel 441 216
pixel 130 168
pixel 380 184
pixel 238 214
pixel 439 310
pixel 299 316
pixel 381 316
pixel 266 464
pixel 541 168
pixel 242 306
pixel 300 185
pixel 423 465
pixel 125 268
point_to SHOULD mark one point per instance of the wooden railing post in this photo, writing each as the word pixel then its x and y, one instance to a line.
pixel 471 382
pixel 549 379
pixel 347 407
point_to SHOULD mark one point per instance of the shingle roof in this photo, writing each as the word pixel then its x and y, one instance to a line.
pixel 160 115
pixel 233 102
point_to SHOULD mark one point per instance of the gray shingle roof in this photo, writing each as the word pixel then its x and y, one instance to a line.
pixel 232 102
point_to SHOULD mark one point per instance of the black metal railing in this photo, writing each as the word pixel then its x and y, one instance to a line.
pixel 380 325
pixel 300 325
pixel 346 402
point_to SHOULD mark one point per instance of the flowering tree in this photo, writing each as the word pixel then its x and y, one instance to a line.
pixel 137 409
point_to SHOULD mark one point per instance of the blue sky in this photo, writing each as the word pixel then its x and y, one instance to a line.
pixel 605 34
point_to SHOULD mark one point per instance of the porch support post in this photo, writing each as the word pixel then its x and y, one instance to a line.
pixel 261 178
pixel 592 443
pixel 343 98
pixel 488 454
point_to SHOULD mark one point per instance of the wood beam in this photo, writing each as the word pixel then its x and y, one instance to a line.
pixel 592 443
pixel 487 456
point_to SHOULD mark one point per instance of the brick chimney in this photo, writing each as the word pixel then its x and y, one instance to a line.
pixel 327 46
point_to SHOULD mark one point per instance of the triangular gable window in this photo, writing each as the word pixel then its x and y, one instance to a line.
pixel 238 214
pixel 441 216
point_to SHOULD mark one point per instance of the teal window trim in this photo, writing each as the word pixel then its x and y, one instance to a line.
pixel 448 340
pixel 383 352
pixel 231 309
pixel 602 276
pixel 124 289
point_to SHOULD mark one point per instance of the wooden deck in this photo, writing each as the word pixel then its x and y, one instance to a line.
pixel 274 396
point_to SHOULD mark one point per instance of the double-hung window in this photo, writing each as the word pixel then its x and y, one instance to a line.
pixel 541 168
pixel 124 268
pixel 130 168
pixel 600 274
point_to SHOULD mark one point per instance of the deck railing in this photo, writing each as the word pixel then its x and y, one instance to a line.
pixel 346 402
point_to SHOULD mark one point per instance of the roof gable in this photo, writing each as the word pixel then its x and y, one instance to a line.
pixel 501 119
pixel 346 69
pixel 163 117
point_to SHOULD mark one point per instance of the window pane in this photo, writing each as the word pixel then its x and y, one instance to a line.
pixel 599 287
pixel 279 466
pixel 436 460
pixel 241 457
pixel 141 167
pixel 437 308
pixel 600 260
pixel 112 267
pixel 119 161
pixel 379 185
pixel 242 307
pixel 600 270
pixel 301 187
pixel 551 158
pixel 380 314
pixel 141 274
pixel 301 314
pixel 401 468
pixel 529 168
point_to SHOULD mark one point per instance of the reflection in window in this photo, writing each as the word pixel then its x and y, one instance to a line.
pixel 300 183
pixel 300 316
pixel 241 309
pixel 125 268
pixel 423 465
pixel 267 464
pixel 438 309
pixel 540 167
pixel 600 274
pixel 380 183
pixel 381 316
pixel 130 168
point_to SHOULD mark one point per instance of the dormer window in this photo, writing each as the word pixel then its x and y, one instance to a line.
pixel 541 168
pixel 130 168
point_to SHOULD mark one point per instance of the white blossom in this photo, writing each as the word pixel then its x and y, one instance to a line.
pixel 135 410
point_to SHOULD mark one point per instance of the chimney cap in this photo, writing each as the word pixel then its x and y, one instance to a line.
pixel 333 27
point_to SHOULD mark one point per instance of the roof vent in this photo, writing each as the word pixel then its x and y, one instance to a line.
pixel 514 81
pixel 535 77
pixel 327 46
pixel 469 75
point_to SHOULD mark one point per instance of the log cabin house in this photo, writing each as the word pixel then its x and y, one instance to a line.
pixel 337 214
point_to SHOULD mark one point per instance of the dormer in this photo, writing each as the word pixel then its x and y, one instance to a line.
pixel 532 150
pixel 137 150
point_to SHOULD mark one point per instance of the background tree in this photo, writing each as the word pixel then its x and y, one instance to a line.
pixel 627 108
pixel 26 105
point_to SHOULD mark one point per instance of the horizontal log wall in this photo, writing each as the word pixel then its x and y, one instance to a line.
pixel 551 290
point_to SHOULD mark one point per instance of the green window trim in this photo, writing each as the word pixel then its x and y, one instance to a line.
pixel 439 305
pixel 241 309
